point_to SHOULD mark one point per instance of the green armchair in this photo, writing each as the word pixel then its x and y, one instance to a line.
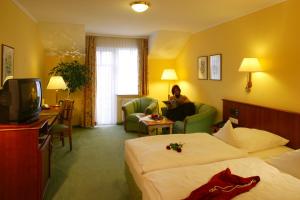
pixel 135 109
pixel 201 121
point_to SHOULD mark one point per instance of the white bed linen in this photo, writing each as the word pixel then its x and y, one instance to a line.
pixel 268 153
pixel 135 169
pixel 178 183
pixel 149 153
pixel 288 162
pixel 198 148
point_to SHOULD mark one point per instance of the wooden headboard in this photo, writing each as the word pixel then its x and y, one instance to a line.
pixel 283 123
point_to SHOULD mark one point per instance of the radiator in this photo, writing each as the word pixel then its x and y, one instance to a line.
pixel 121 100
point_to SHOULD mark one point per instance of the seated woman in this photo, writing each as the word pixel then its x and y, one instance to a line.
pixel 180 106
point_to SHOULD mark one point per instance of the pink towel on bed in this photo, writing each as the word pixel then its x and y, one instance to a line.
pixel 223 186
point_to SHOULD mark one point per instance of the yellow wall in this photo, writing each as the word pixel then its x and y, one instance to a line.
pixel 32 43
pixel 49 95
pixel 21 32
pixel 157 88
pixel 57 40
pixel 272 35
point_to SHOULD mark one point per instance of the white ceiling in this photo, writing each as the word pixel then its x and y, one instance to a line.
pixel 115 17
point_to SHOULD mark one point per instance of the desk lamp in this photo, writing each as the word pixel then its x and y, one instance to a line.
pixel 56 83
pixel 169 75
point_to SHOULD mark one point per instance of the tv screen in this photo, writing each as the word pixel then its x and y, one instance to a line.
pixel 30 93
pixel 20 100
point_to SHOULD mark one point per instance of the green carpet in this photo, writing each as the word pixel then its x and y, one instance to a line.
pixel 95 167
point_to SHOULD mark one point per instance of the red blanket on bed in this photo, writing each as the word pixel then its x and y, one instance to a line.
pixel 223 186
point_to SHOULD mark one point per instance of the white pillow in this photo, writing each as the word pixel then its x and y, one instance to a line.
pixel 288 162
pixel 226 134
pixel 253 140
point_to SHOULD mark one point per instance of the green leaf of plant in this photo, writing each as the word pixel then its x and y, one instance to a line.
pixel 75 75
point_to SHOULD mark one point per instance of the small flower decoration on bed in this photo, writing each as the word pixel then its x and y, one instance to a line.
pixel 175 146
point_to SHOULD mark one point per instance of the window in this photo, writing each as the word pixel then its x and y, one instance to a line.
pixel 117 74
pixel 127 72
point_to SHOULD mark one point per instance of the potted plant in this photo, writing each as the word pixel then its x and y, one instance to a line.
pixel 75 75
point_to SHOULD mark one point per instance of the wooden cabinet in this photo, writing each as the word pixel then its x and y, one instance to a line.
pixel 25 160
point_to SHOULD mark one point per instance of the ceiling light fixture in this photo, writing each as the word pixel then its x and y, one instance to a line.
pixel 140 6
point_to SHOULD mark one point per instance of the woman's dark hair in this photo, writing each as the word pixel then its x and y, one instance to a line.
pixel 175 87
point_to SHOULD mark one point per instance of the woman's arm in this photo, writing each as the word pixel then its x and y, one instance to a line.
pixel 182 100
pixel 173 102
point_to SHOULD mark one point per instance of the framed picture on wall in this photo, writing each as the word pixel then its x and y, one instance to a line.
pixel 215 67
pixel 202 68
pixel 7 63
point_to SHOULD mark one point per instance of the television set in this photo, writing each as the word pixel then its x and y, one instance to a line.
pixel 20 100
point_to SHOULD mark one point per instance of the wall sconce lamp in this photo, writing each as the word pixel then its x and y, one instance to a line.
pixel 169 75
pixel 56 83
pixel 250 65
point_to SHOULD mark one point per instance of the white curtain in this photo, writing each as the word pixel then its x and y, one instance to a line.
pixel 117 74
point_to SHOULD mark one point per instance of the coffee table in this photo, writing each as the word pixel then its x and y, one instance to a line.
pixel 156 124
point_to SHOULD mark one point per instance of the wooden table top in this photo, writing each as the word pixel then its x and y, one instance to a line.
pixel 150 122
pixel 51 115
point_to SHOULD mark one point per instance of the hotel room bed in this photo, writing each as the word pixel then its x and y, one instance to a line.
pixel 143 155
pixel 148 155
pixel 178 183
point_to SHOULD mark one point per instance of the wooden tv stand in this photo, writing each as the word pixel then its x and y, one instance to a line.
pixel 25 151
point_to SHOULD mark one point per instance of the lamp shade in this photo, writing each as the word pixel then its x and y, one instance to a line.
pixel 139 6
pixel 169 74
pixel 56 83
pixel 250 65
